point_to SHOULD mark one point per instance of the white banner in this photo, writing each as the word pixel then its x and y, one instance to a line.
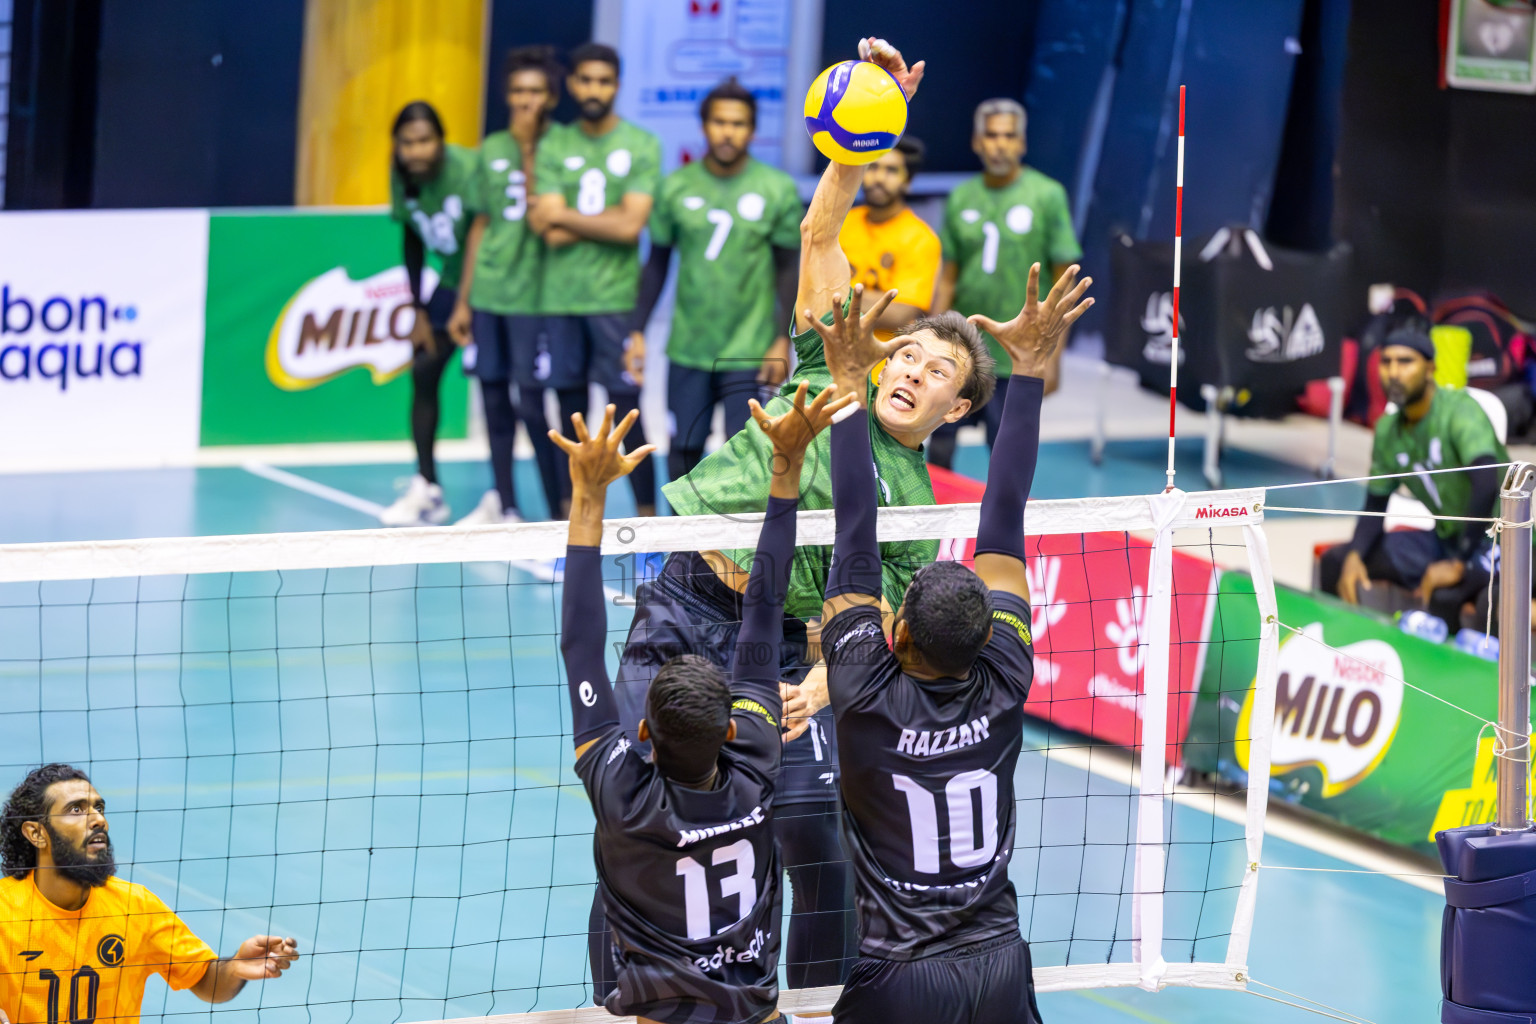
pixel 101 338
pixel 675 51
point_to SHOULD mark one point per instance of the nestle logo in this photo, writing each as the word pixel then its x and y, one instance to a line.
pixel 1212 512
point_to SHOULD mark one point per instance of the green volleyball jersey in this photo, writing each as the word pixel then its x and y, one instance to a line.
pixel 510 259
pixel 443 210
pixel 1453 433
pixel 594 174
pixel 724 230
pixel 996 234
pixel 736 478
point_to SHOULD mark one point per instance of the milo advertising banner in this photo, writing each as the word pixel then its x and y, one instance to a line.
pixel 1351 740
pixel 308 332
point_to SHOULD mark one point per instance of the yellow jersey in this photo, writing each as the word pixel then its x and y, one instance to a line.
pixel 60 966
pixel 901 253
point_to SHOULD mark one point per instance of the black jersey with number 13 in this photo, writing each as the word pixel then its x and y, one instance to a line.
pixel 927 782
pixel 690 877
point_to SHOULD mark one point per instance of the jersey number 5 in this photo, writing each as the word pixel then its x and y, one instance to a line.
pixel 742 884
pixel 85 977
pixel 967 848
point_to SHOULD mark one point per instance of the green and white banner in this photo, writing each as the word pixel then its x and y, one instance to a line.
pixel 308 324
pixel 1377 729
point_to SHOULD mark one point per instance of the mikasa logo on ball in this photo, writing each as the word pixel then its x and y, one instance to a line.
pixel 335 324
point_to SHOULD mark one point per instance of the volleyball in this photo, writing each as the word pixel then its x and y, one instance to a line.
pixel 855 111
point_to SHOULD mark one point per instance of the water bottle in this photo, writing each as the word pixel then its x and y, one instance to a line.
pixel 1423 625
pixel 1478 644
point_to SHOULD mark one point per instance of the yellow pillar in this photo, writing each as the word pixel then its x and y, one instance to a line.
pixel 363 61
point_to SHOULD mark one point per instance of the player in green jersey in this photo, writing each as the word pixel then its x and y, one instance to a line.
pixel 735 223
pixel 1433 428
pixel 434 195
pixel 996 226
pixel 596 180
pixel 498 308
pixel 941 372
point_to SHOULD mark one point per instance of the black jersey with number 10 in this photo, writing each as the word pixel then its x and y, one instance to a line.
pixel 927 782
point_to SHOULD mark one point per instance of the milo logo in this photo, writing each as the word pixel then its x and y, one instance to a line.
pixel 1336 709
pixel 335 324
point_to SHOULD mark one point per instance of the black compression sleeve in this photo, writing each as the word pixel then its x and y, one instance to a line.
pixel 1484 479
pixel 583 635
pixel 855 565
pixel 1011 471
pixel 415 260
pixel 756 664
pixel 786 283
pixel 1369 528
pixel 652 280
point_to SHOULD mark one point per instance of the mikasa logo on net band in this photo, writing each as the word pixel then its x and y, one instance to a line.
pixel 58 338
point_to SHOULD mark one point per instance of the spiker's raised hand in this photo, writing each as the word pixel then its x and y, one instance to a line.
pixel 887 56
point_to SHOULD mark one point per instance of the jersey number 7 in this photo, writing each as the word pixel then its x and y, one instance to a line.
pixel 967 849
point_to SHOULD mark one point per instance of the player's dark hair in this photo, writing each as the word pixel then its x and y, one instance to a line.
pixel 534 58
pixel 981 381
pixel 29 802
pixel 948 611
pixel 416 110
pixel 688 710
pixel 913 152
pixel 595 51
pixel 730 89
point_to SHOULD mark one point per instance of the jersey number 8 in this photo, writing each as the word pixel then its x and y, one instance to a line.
pixel 967 849
pixel 592 192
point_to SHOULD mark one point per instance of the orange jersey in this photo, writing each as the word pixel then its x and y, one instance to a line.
pixel 90 964
pixel 901 253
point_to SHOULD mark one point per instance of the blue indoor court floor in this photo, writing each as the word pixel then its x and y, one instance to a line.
pixel 374 762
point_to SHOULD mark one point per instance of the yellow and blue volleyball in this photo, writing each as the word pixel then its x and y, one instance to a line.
pixel 855 111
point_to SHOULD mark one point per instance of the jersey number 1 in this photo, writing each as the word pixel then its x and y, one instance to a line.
pixel 967 849
pixel 77 1015
pixel 741 884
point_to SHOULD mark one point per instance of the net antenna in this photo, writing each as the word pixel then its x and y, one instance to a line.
pixel 1178 254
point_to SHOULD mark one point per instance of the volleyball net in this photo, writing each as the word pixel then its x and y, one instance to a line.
pixel 362 739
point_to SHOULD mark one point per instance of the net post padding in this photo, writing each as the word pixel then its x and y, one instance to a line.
pixel 1261 728
pixel 1151 867
pixel 342 549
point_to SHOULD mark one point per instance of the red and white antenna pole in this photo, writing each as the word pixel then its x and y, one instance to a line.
pixel 1178 254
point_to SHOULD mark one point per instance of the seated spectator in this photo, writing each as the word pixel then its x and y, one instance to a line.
pixel 1432 429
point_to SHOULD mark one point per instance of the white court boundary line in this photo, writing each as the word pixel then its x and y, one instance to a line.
pixel 311 487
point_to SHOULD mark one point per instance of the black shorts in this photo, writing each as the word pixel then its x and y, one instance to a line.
pixel 589 348
pixel 988 983
pixel 511 347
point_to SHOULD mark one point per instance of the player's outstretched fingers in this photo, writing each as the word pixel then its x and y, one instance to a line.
pixel 879 307
pixel 985 323
pixel 1032 290
pixel 579 425
pixel 562 442
pixel 624 426
pixel 605 428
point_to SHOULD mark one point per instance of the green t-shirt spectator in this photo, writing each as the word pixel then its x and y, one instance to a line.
pixel 594 173
pixel 995 235
pixel 509 262
pixel 736 478
pixel 443 210
pixel 1453 433
pixel 725 230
